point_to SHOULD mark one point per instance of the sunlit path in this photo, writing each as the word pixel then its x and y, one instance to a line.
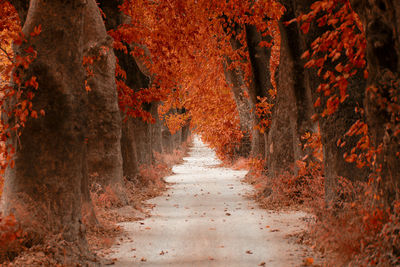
pixel 206 220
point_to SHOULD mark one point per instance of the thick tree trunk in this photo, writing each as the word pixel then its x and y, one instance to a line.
pixel 293 109
pixel 142 133
pixel 335 126
pixel 261 83
pixel 176 139
pixel 381 20
pixel 104 120
pixel 45 184
pixel 138 130
pixel 136 134
pixel 129 154
pixel 236 81
pixel 280 149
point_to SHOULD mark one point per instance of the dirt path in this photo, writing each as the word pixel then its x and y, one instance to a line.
pixel 206 220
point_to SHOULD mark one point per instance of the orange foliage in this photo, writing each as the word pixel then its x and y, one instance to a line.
pixel 306 188
pixel 186 53
pixel 184 45
pixel 360 233
pixel 11 238
pixel 14 85
pixel 345 41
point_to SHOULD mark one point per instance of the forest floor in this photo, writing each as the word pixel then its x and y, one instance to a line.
pixel 207 219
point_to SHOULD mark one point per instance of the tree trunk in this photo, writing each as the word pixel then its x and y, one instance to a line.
pixel 166 140
pixel 237 84
pixel 236 80
pixel 135 132
pixel 333 127
pixel 381 20
pixel 129 153
pixel 176 139
pixel 104 120
pixel 156 136
pixel 293 109
pixel 260 83
pixel 142 132
pixel 45 184
pixel 185 132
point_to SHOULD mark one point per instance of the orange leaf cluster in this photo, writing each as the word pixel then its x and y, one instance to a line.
pixel 344 40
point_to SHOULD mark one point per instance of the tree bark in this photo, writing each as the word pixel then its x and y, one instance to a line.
pixel 260 83
pixel 142 132
pixel 133 130
pixel 236 81
pixel 293 109
pixel 104 120
pixel 381 20
pixel 129 153
pixel 166 140
pixel 185 132
pixel 333 127
pixel 50 152
pixel 156 136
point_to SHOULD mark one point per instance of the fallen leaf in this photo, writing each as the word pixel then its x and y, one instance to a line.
pixel 308 261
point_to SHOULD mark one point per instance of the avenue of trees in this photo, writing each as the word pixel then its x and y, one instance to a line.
pixel 100 87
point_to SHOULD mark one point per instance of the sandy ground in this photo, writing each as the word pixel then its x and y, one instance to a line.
pixel 205 219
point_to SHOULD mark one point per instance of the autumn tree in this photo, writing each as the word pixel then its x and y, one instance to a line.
pixel 380 21
pixel 50 151
pixel 104 120
pixel 334 77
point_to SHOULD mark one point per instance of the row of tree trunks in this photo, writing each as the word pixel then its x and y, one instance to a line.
pixel 381 21
pixel 140 139
pixel 281 145
pixel 171 142
pixel 296 91
pixel 82 132
pixel 136 134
